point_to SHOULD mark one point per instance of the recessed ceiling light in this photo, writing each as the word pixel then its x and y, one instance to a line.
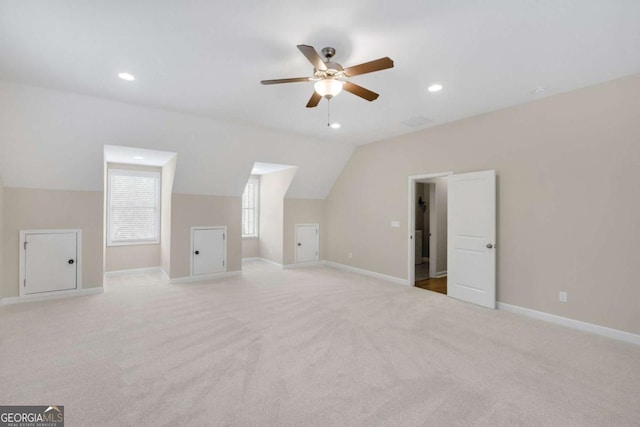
pixel 126 76
pixel 335 125
pixel 436 87
pixel 539 90
pixel 138 157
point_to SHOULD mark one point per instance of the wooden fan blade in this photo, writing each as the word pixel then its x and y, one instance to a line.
pixel 369 67
pixel 360 91
pixel 278 81
pixel 314 100
pixel 310 53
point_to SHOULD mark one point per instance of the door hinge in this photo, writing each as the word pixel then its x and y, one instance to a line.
pixel 25 245
pixel 316 231
pixel 24 283
pixel 224 236
pixel 223 263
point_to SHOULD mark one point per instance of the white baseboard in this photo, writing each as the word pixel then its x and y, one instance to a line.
pixel 51 295
pixel 364 272
pixel 133 271
pixel 571 323
pixel 204 277
pixel 164 274
pixel 440 274
pixel 302 265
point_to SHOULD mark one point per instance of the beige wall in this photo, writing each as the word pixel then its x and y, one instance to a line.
pixel 30 209
pixel 190 210
pixel 301 211
pixel 551 156
pixel 1 236
pixel 250 248
pixel 127 257
pixel 168 174
pixel 273 187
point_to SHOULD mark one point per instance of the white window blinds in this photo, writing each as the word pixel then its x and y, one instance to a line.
pixel 134 207
pixel 250 208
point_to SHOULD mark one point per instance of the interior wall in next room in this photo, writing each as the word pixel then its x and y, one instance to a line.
pixel 37 209
pixel 301 211
pixel 273 187
pixel 195 210
pixel 441 222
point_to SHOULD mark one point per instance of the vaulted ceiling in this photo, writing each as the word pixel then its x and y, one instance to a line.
pixel 206 58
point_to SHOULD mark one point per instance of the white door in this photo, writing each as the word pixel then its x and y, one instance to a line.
pixel 50 262
pixel 208 254
pixel 472 238
pixel 306 243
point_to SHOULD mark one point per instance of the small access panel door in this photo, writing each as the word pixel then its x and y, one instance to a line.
pixel 208 250
pixel 306 243
pixel 49 261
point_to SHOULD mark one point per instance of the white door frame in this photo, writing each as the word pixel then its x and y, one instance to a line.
pixel 295 236
pixel 224 256
pixel 22 272
pixel 411 223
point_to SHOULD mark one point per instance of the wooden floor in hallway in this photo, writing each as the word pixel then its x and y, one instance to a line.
pixel 435 284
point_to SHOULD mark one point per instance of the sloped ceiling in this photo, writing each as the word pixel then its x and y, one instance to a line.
pixel 56 140
pixel 199 63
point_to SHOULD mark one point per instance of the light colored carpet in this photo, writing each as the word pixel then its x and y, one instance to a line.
pixel 315 346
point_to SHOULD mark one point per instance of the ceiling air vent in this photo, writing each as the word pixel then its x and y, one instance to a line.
pixel 417 121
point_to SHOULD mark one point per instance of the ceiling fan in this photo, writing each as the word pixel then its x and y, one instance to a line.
pixel 330 78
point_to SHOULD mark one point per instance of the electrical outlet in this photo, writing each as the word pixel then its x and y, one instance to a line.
pixel 562 296
pixel 350 255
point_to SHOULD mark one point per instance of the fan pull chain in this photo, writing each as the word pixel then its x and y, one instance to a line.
pixel 328 112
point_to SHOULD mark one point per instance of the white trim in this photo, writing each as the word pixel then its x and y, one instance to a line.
pixel 295 237
pixel 164 274
pixel 396 280
pixel 572 323
pixel 440 274
pixel 302 265
pixel 133 271
pixel 204 277
pixel 224 249
pixel 411 222
pixel 78 259
pixel 51 295
pixel 269 261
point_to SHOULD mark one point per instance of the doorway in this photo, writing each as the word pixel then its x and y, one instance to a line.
pixel 430 233
pixel 471 235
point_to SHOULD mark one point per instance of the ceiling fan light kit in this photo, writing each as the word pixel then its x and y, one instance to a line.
pixel 331 78
pixel 328 87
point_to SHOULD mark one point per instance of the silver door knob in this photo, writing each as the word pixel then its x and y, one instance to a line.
pixel 489 246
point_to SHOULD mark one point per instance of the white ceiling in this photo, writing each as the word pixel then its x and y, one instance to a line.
pixel 260 168
pixel 136 156
pixel 207 57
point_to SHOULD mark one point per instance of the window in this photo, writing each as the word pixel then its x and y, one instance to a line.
pixel 250 199
pixel 133 207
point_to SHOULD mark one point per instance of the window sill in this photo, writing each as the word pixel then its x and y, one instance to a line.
pixel 116 244
pixel 250 237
